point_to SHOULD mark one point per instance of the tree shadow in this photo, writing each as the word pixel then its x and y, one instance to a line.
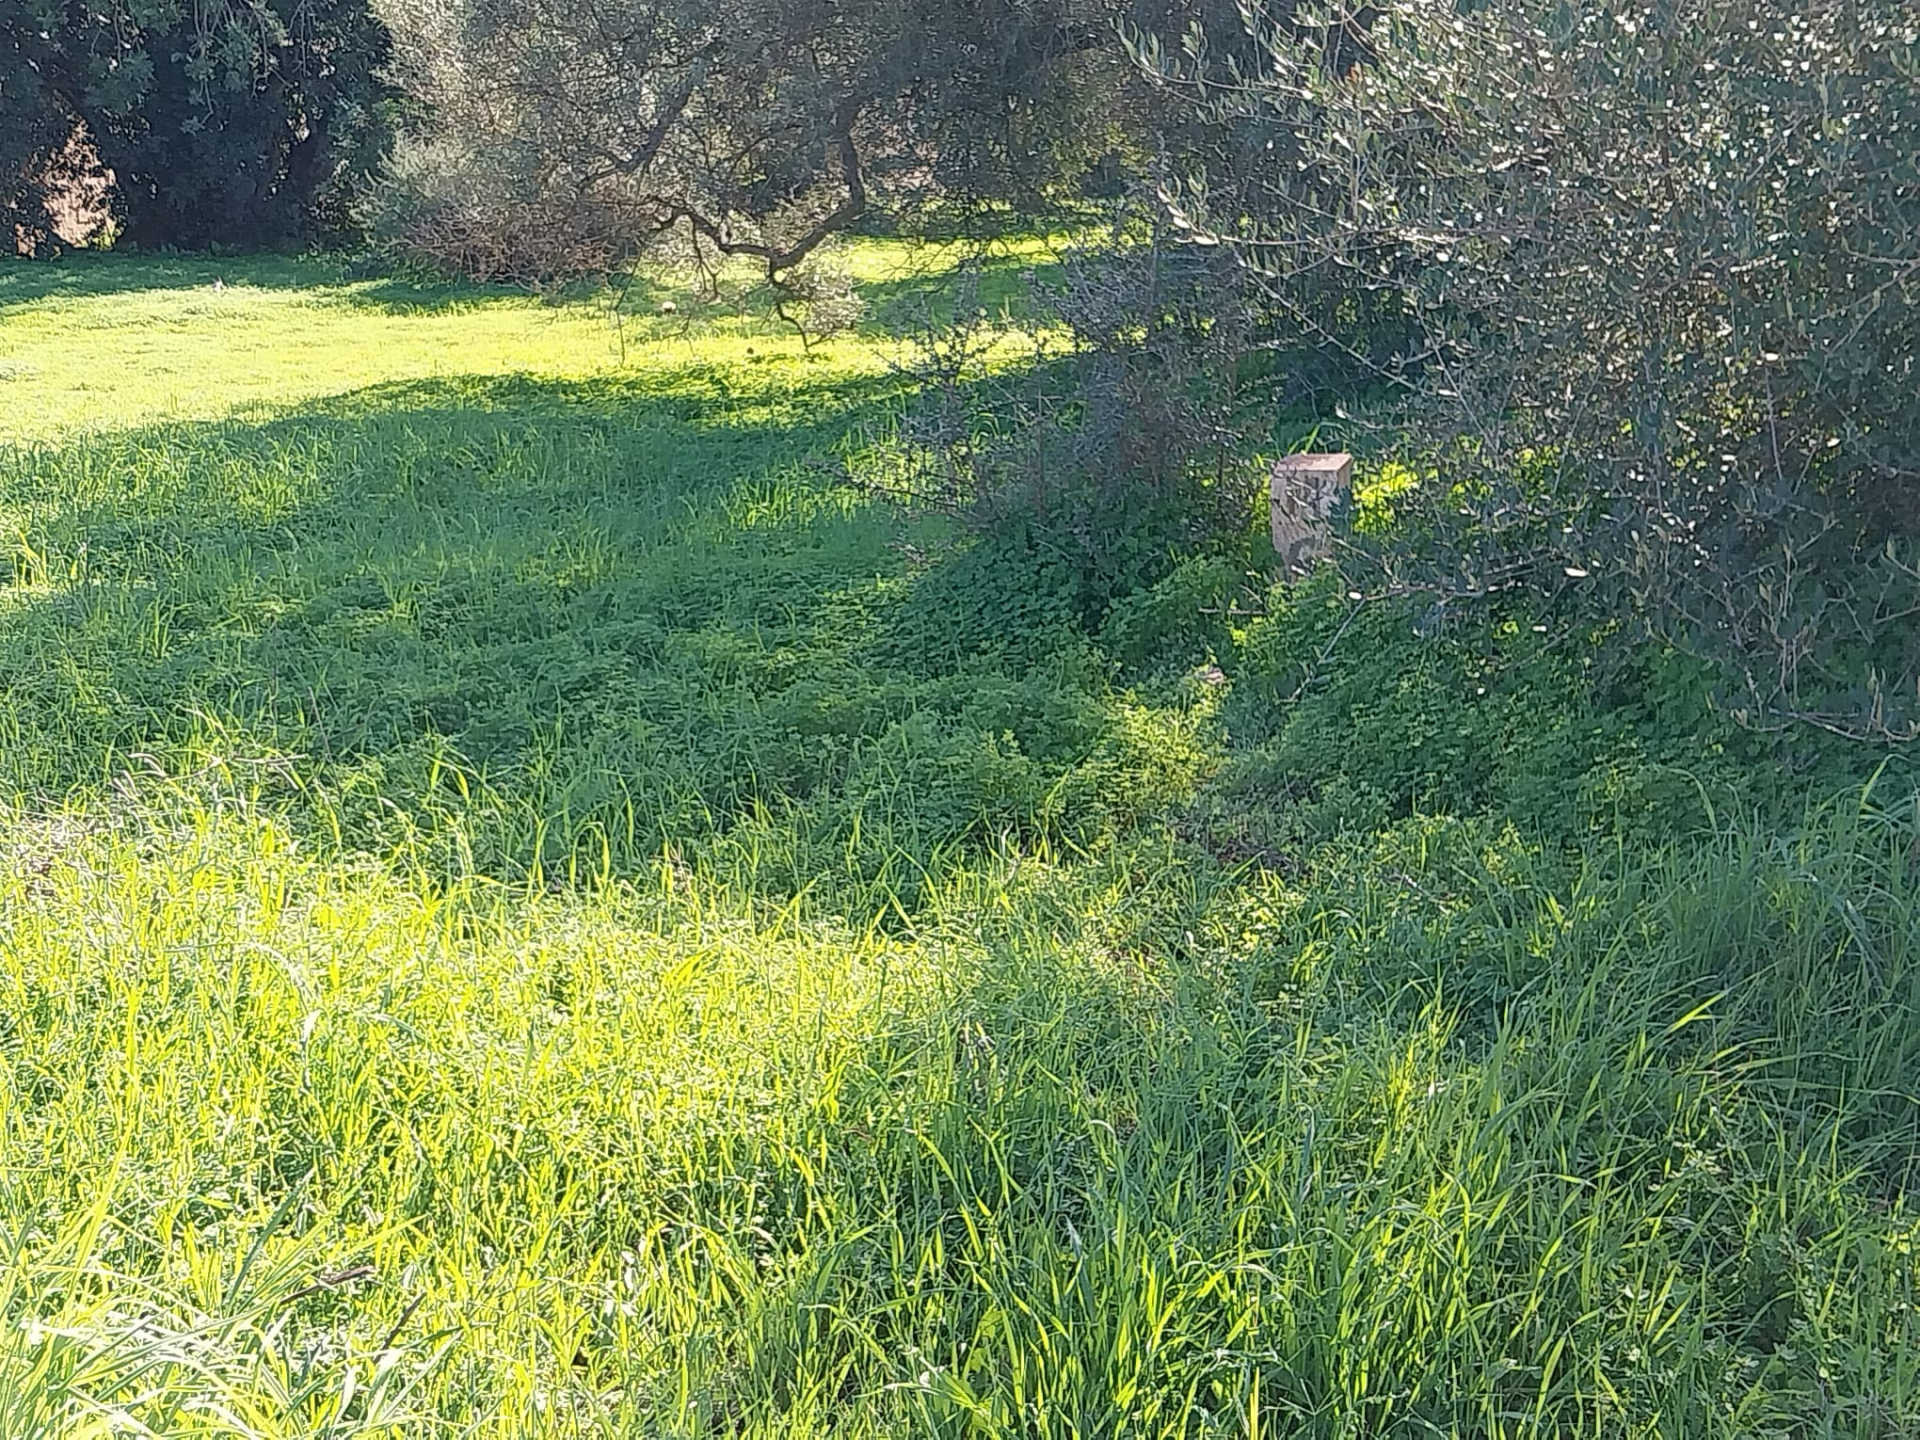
pixel 537 621
pixel 425 294
pixel 920 296
pixel 894 306
pixel 909 305
pixel 336 279
pixel 87 275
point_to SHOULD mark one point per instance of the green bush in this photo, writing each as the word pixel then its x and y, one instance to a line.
pixel 1640 287
pixel 224 125
pixel 1347 718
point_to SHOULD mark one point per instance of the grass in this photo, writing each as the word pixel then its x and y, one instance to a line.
pixel 528 910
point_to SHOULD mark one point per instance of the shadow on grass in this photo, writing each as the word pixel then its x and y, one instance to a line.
pixel 894 307
pixel 537 620
pixel 921 294
pixel 88 275
pixel 335 279
pixel 898 308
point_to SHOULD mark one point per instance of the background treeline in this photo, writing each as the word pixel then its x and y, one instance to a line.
pixel 547 134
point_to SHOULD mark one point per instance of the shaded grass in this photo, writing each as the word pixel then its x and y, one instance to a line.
pixel 526 910
pixel 549 627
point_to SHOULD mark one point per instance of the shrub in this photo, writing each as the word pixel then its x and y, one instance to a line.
pixel 1346 719
pixel 1645 280
pixel 1119 442
pixel 223 124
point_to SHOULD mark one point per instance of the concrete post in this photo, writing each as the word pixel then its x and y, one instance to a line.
pixel 1304 490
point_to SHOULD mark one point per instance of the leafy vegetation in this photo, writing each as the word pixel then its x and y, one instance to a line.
pixel 210 124
pixel 1636 290
pixel 529 906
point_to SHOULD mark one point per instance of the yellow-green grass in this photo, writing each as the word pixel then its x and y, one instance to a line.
pixel 104 342
pixel 526 909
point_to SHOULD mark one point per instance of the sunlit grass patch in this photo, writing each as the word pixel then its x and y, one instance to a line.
pixel 1448 1133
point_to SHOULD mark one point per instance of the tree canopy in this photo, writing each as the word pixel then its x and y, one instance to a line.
pixel 562 133
pixel 246 123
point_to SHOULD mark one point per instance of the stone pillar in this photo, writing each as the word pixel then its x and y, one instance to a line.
pixel 1304 490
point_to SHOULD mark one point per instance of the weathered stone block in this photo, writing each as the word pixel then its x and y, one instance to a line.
pixel 1305 488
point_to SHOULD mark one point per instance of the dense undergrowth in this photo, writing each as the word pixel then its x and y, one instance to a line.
pixel 529 909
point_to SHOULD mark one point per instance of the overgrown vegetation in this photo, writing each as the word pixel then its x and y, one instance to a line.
pixel 530 906
pixel 244 126
pixel 1635 291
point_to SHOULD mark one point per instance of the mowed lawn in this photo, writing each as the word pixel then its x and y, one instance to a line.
pixel 529 907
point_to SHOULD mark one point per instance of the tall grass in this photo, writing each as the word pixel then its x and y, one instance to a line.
pixel 519 918
pixel 1451 1138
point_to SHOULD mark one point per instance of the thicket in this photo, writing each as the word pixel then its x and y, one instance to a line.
pixel 1116 442
pixel 1635 295
pixel 1620 309
pixel 247 126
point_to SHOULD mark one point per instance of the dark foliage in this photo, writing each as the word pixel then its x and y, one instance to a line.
pixel 1122 443
pixel 245 126
pixel 32 127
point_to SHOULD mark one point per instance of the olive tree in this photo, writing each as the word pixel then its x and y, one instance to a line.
pixel 559 135
pixel 1637 285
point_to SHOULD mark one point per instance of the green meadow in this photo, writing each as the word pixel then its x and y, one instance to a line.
pixel 530 907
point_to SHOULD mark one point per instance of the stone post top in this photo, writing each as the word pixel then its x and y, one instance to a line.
pixel 1332 463
pixel 1306 489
